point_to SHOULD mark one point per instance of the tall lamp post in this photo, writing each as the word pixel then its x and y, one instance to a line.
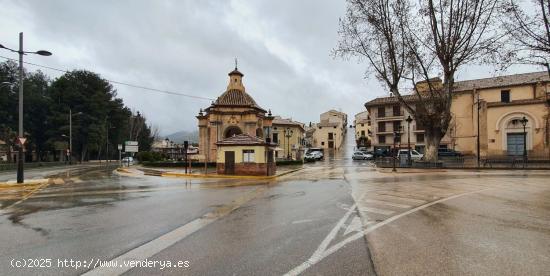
pixel 20 162
pixel 288 134
pixel 524 124
pixel 396 136
pixel 71 134
pixel 409 120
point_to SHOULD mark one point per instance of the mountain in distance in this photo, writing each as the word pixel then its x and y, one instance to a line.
pixel 180 136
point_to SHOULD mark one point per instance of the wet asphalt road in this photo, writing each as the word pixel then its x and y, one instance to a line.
pixel 312 222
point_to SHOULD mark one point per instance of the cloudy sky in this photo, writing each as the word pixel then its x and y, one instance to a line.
pixel 283 48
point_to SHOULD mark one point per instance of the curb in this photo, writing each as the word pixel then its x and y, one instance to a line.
pixel 183 175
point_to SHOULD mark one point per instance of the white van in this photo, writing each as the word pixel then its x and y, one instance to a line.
pixel 415 155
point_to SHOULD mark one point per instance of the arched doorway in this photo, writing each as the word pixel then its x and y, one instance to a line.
pixel 232 131
pixel 515 140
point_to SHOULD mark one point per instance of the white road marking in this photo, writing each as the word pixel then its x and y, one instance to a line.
pixel 376 210
pixel 406 199
pixel 386 203
pixel 155 246
pixel 354 226
pixel 301 221
pixel 319 256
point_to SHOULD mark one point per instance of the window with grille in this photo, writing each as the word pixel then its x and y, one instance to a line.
pixel 248 156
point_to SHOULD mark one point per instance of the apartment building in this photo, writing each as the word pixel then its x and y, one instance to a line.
pixel 500 106
pixel 331 130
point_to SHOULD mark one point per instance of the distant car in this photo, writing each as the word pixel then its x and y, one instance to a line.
pixel 359 155
pixel 363 149
pixel 448 152
pixel 314 155
pixel 128 160
pixel 415 155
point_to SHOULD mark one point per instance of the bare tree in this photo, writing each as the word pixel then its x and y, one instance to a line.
pixel 529 31
pixel 402 41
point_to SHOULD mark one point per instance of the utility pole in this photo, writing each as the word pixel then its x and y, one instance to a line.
pixel 478 134
pixel 21 134
pixel 70 136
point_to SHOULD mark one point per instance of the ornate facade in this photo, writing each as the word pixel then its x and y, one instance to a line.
pixel 234 112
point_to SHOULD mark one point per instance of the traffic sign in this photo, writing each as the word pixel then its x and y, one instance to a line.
pixel 119 146
pixel 22 140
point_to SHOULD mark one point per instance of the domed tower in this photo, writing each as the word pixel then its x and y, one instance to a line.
pixel 234 112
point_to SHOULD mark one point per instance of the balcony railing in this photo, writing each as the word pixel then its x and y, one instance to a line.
pixel 389 114
pixel 388 129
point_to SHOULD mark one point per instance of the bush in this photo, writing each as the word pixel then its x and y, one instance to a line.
pixel 148 156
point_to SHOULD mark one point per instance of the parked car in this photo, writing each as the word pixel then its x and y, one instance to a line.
pixel 359 155
pixel 314 155
pixel 381 153
pixel 448 152
pixel 415 155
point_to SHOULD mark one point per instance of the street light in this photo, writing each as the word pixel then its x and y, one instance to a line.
pixel 20 162
pixel 288 134
pixel 71 134
pixel 524 123
pixel 409 120
pixel 396 136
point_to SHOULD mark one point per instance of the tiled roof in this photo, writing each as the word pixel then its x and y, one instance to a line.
pixel 242 139
pixel 389 100
pixel 236 97
pixel 509 80
pixel 288 122
pixel 502 81
pixel 236 72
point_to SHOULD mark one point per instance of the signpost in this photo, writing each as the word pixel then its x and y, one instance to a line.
pixel 120 155
pixel 185 147
pixel 132 147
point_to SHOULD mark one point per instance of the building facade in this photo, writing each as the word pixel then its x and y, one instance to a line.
pixel 331 130
pixel 362 125
pixel 244 154
pixel 496 106
pixel 289 136
pixel 234 112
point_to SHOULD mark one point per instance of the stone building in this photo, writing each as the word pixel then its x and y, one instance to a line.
pixel 362 127
pixel 330 131
pixel 503 103
pixel 232 113
pixel 244 154
pixel 289 136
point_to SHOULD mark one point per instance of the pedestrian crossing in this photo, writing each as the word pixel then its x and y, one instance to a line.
pixel 377 206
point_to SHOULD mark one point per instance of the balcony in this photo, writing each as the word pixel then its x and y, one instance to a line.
pixel 416 128
pixel 390 115
pixel 385 130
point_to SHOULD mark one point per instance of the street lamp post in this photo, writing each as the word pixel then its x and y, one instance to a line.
pixel 524 123
pixel 20 162
pixel 71 134
pixel 409 120
pixel 288 134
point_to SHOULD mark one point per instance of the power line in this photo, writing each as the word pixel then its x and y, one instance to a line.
pixel 119 82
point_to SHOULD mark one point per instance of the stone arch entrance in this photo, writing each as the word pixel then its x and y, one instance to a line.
pixel 514 139
pixel 232 131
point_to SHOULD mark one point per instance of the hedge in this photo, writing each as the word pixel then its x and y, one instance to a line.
pixel 173 164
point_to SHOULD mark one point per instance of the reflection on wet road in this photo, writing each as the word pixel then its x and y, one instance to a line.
pixel 335 217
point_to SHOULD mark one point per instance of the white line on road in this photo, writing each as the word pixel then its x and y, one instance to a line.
pixel 376 210
pixel 406 199
pixel 317 257
pixel 155 246
pixel 386 203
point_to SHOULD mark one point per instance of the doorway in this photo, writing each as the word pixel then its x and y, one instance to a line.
pixel 515 142
pixel 229 162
